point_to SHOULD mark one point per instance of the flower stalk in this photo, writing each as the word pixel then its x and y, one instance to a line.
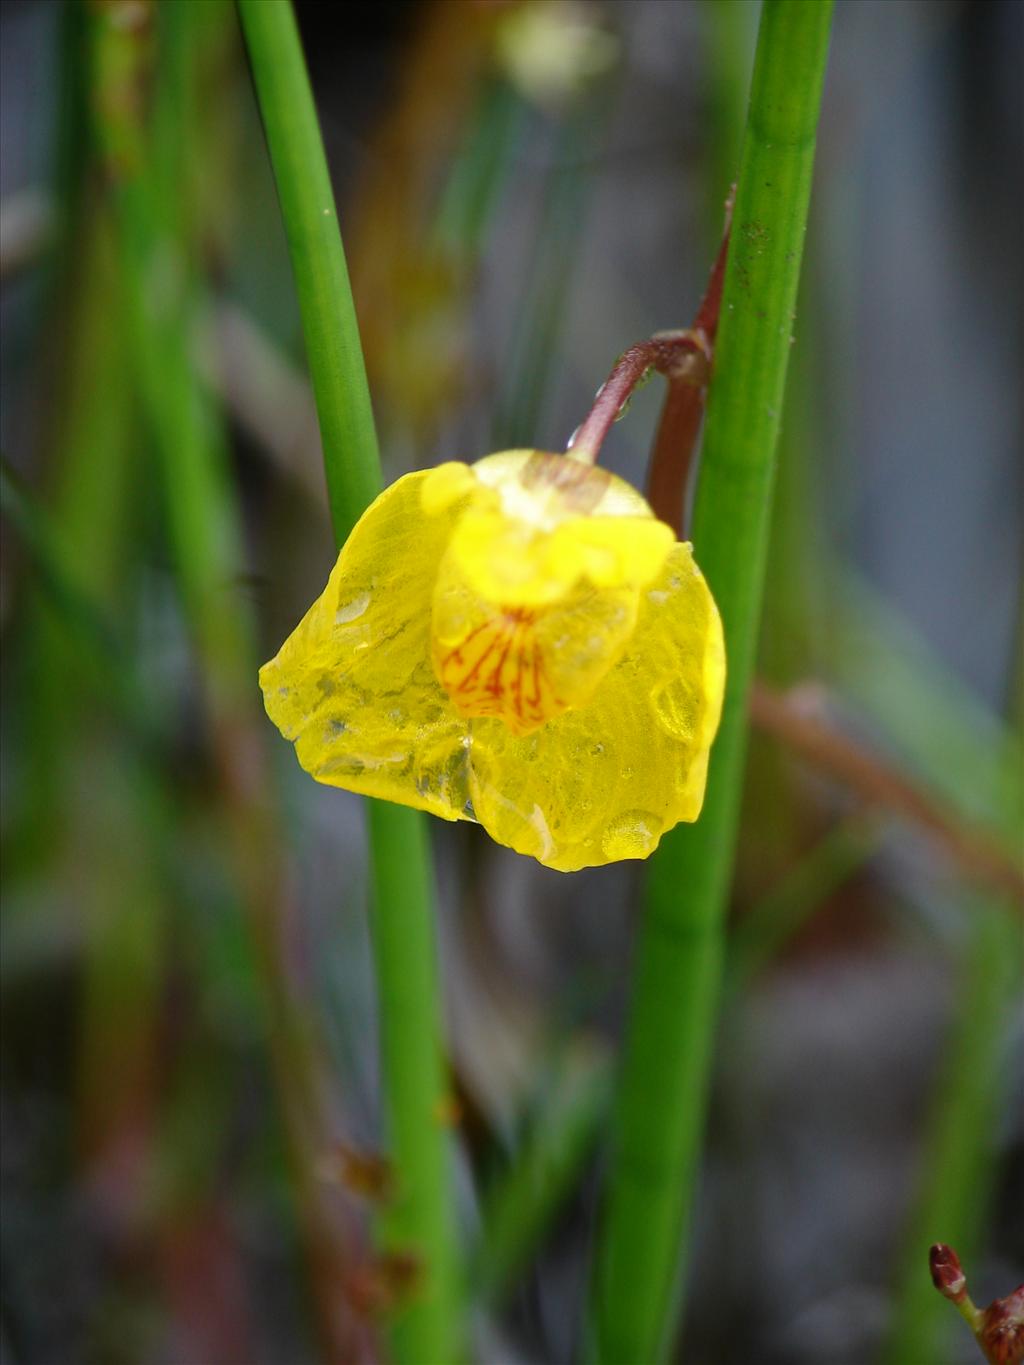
pixel 676 440
pixel 658 1124
pixel 684 358
pixel 682 355
pixel 420 1221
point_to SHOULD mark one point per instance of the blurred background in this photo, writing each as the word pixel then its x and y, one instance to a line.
pixel 190 1109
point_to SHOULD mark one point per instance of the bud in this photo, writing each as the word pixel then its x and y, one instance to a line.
pixel 998 1329
pixel 947 1273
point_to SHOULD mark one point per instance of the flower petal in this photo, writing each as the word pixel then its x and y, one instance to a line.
pixel 604 782
pixel 615 552
pixel 353 685
pixel 541 524
pixel 526 666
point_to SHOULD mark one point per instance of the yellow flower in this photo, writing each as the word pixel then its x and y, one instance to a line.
pixel 518 642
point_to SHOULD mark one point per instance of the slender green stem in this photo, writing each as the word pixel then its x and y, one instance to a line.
pixel 935 725
pixel 959 1172
pixel 421 1220
pixel 530 360
pixel 659 1117
pixel 329 325
pixel 523 1202
pixel 780 914
pixel 478 172
pixel 960 1160
pixel 146 164
pixel 415 1084
pixel 81 618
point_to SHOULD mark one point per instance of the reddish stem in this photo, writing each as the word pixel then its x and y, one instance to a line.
pixel 666 352
pixel 676 441
pixel 674 446
pixel 684 358
pixel 706 320
pixel 867 774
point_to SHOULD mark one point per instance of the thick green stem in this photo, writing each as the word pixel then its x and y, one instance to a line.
pixel 659 1119
pixel 421 1220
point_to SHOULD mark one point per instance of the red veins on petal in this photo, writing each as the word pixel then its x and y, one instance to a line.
pixel 498 670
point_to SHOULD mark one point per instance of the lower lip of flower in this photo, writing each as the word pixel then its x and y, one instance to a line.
pixel 499 670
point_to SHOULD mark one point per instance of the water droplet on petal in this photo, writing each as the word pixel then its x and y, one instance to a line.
pixel 352 610
pixel 677 709
pixel 634 834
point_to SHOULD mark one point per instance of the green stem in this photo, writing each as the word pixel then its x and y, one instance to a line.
pixel 147 161
pixel 81 618
pixel 329 325
pixel 421 1220
pixel 779 915
pixel 961 1158
pixel 531 357
pixel 478 173
pixel 659 1120
pixel 523 1202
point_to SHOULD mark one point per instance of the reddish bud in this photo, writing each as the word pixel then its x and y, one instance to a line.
pixel 947 1273
pixel 998 1329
